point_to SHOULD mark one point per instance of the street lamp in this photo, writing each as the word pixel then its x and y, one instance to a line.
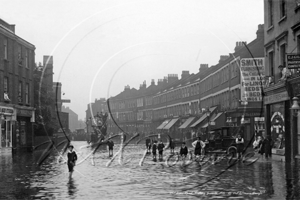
pixel 295 107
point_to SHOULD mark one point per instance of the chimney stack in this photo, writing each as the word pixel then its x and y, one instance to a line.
pixel 143 86
pixel 127 87
pixel 239 45
pixel 203 67
pixel 152 82
pixel 165 81
pixel 185 74
pixel 159 82
pixel 223 57
pixel 172 78
pixel 260 31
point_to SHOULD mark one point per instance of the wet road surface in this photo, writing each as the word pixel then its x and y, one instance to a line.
pixel 22 178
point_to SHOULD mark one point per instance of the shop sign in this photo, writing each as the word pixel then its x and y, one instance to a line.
pixel 293 61
pixel 27 113
pixel 252 79
pixel 282 96
pixel 6 110
pixel 246 114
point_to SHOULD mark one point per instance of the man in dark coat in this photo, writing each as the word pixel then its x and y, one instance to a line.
pixel 267 145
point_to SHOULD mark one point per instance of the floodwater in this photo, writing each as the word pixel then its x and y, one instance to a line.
pixel 22 178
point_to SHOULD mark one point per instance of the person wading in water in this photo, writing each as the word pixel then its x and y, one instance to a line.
pixel 198 145
pixel 72 158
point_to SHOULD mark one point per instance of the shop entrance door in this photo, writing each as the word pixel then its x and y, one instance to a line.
pixel 6 133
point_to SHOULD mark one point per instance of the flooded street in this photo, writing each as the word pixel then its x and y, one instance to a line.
pixel 21 178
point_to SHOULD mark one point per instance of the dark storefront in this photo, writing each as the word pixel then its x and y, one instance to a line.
pixel 277 105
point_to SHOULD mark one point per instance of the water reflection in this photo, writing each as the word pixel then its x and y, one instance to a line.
pixel 21 178
pixel 72 189
pixel 292 181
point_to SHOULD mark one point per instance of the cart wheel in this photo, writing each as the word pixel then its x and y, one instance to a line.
pixel 232 151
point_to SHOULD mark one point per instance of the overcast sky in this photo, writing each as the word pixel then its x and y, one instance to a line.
pixel 99 46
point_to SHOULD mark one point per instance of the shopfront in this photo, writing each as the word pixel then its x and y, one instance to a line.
pixel 278 124
pixel 249 122
pixel 7 117
pixel 22 128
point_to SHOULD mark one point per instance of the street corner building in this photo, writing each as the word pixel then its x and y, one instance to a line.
pixel 16 89
pixel 282 53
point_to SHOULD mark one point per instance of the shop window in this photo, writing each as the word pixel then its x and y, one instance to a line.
pixel 277 125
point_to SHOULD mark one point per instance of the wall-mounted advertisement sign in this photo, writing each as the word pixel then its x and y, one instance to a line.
pixel 252 79
pixel 293 61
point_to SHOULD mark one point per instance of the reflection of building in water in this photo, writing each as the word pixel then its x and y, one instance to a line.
pixel 16 89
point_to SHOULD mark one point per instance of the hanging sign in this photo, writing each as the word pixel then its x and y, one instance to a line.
pixel 293 61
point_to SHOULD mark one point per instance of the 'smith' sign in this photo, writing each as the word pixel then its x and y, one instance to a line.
pixel 293 61
pixel 252 78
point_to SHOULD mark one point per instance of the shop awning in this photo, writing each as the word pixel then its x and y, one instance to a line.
pixel 187 122
pixel 171 123
pixel 214 122
pixel 199 121
pixel 213 109
pixel 163 124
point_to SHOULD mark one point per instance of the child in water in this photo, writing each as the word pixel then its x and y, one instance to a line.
pixel 154 147
pixel 239 145
pixel 160 149
pixel 183 150
pixel 72 158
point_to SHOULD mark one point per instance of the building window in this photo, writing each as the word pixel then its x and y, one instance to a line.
pixel 27 93
pixel 271 63
pixel 5 48
pixel 5 84
pixel 282 55
pixel 270 9
pixel 26 58
pixel 282 8
pixel 20 92
pixel 19 55
pixel 5 89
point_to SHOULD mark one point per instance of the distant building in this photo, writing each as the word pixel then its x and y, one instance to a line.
pixel 17 111
pixel 100 105
pixel 54 89
pixel 73 119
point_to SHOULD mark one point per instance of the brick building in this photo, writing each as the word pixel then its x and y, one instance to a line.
pixel 16 100
pixel 282 40
pixel 180 107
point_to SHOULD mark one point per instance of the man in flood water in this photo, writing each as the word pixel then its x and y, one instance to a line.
pixel 198 145
pixel 72 158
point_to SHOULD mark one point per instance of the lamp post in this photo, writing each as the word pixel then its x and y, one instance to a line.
pixel 207 112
